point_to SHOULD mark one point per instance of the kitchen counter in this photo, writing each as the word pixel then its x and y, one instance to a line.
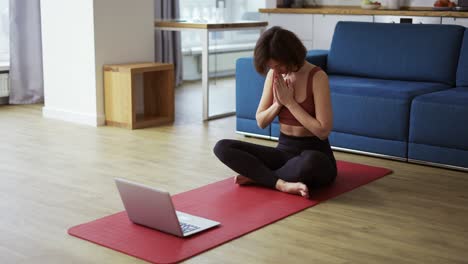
pixel 209 24
pixel 356 10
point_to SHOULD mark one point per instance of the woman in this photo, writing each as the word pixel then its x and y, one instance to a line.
pixel 298 93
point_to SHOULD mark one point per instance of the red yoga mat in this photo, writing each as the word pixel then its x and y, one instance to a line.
pixel 240 209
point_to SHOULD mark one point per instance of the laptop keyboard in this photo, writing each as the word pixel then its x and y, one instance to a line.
pixel 188 227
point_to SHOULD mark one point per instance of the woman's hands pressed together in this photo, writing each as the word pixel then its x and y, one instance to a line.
pixel 283 90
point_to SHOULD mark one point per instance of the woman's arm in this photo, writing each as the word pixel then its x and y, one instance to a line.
pixel 322 124
pixel 269 107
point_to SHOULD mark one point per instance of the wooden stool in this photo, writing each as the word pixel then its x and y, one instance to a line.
pixel 120 94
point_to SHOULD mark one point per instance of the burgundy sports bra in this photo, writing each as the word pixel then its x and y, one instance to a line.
pixel 285 116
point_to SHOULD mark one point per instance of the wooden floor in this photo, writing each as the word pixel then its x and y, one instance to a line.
pixel 55 175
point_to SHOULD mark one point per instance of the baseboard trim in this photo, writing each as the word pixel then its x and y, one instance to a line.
pixel 435 164
pixel 74 117
pixel 253 135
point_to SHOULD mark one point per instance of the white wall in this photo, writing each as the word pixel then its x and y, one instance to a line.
pixel 78 37
pixel 124 33
pixel 69 60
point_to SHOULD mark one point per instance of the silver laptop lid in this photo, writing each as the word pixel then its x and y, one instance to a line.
pixel 140 202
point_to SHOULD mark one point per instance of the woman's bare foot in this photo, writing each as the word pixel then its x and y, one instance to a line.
pixel 298 188
pixel 242 180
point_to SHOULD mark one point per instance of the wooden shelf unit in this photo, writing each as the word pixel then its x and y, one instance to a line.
pixel 121 82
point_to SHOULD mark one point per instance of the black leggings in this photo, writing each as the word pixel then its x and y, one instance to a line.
pixel 296 159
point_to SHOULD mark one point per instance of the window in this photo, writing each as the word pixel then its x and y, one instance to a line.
pixel 4 33
pixel 220 10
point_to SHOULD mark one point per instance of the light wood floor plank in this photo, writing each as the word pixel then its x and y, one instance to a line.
pixel 55 175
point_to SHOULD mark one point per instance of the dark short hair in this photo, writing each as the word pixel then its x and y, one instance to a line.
pixel 280 45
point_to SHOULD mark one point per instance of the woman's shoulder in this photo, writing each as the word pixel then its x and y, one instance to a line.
pixel 319 75
pixel 314 67
pixel 315 71
pixel 311 67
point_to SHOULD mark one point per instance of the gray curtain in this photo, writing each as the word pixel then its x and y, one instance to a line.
pixel 167 43
pixel 26 80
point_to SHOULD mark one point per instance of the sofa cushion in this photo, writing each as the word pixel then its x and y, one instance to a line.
pixel 462 71
pixel 387 147
pixel 441 119
pixel 412 52
pixel 436 154
pixel 375 107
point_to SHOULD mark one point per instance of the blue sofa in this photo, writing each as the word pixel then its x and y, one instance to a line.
pixel 439 121
pixel 398 91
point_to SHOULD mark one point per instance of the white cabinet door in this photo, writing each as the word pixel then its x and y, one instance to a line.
pixel 455 21
pixel 324 27
pixel 300 24
pixel 407 19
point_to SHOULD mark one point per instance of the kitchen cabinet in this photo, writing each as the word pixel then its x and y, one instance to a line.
pixel 316 30
pixel 455 21
pixel 407 19
pixel 300 24
pixel 324 27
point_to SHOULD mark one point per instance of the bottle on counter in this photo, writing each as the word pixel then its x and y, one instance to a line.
pixel 284 3
pixel 297 4
pixel 393 4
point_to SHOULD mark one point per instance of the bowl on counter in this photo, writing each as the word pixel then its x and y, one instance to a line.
pixel 366 6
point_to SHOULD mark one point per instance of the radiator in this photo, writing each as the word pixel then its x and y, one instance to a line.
pixel 4 89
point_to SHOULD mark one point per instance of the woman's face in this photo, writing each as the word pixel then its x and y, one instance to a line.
pixel 277 66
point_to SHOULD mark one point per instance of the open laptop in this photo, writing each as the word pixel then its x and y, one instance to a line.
pixel 153 208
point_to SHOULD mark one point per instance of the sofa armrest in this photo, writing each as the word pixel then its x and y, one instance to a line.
pixel 249 88
pixel 318 57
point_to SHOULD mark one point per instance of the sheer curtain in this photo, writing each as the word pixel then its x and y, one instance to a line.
pixel 167 43
pixel 26 81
